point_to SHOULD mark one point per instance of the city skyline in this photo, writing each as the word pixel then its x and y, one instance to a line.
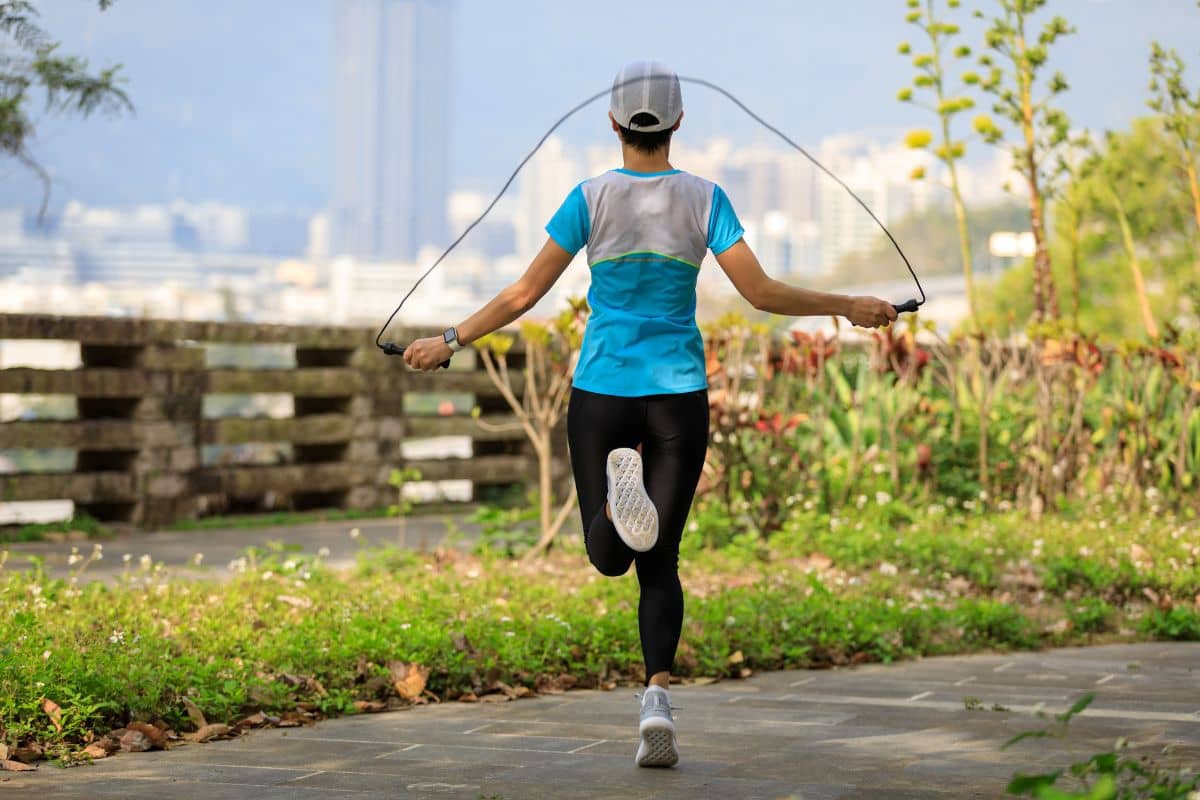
pixel 230 111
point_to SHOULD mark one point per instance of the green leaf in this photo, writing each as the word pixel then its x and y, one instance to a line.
pixel 1078 706
pixel 1029 784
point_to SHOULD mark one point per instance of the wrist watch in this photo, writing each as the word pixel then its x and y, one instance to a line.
pixel 450 336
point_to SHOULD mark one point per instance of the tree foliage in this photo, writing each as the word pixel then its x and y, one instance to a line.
pixel 1014 66
pixel 1156 207
pixel 948 98
pixel 1180 111
pixel 32 65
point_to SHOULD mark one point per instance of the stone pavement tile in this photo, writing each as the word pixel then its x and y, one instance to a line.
pixel 448 782
pixel 127 788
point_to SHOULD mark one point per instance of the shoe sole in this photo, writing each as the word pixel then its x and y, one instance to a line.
pixel 658 747
pixel 633 513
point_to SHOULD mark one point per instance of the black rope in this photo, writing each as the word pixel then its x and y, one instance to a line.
pixel 391 348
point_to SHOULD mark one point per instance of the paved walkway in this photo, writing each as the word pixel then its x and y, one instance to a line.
pixel 872 731
pixel 176 549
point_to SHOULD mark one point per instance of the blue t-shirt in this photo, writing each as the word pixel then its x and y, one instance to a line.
pixel 646 234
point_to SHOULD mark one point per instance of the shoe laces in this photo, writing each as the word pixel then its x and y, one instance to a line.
pixel 671 707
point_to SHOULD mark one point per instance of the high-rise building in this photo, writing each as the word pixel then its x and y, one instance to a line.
pixel 391 127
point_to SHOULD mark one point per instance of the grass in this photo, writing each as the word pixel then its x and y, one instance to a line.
pixel 287 632
pixel 36 532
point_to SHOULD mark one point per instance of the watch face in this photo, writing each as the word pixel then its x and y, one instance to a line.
pixel 449 336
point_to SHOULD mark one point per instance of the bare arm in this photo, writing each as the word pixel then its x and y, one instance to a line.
pixel 767 294
pixel 512 301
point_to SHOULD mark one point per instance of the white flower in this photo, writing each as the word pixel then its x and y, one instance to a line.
pixel 509 633
pixel 323 552
pixel 408 625
pixel 74 559
pixel 305 574
pixel 808 505
pixel 118 637
pixel 861 501
pixel 883 498
pixel 266 576
pixel 145 562
pixel 355 533
pixel 289 565
pixel 45 655
pixel 126 558
pixel 886 568
pixel 879 469
pixel 196 559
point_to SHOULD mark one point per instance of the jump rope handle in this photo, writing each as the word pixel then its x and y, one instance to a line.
pixel 907 305
pixel 393 349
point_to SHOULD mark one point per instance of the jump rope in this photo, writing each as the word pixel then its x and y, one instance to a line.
pixel 393 349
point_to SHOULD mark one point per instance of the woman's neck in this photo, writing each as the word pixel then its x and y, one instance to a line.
pixel 637 161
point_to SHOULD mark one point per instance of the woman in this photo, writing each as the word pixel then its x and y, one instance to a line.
pixel 640 381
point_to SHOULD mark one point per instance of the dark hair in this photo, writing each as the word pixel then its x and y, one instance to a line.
pixel 647 142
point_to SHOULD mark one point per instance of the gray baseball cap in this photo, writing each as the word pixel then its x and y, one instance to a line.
pixel 646 87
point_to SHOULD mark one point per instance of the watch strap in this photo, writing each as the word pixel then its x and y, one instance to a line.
pixel 450 337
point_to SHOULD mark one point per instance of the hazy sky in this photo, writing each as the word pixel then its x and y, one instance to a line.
pixel 234 96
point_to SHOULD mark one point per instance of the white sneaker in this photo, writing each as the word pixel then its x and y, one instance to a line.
pixel 658 746
pixel 633 513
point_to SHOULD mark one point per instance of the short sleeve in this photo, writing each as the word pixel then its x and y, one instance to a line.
pixel 724 228
pixel 571 226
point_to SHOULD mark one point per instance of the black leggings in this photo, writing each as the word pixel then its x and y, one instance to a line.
pixel 672 430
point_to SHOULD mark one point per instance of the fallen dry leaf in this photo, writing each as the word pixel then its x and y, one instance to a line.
pixel 737 657
pixel 257 720
pixel 157 736
pixel 208 732
pixel 53 711
pixel 95 751
pixel 469 697
pixel 295 602
pixel 135 742
pixel 408 679
pixel 3 752
pixel 194 713
pixel 16 766
pixel 495 698
pixel 820 561
pixel 370 706
pixel 1062 626
pixel 29 753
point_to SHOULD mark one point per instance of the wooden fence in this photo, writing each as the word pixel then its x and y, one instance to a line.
pixel 140 431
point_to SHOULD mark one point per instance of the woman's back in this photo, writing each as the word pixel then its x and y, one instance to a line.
pixel 646 235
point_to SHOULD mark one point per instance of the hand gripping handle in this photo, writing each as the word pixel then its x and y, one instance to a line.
pixel 393 349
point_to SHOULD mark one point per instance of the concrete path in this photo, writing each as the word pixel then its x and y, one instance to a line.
pixel 872 731
pixel 177 549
